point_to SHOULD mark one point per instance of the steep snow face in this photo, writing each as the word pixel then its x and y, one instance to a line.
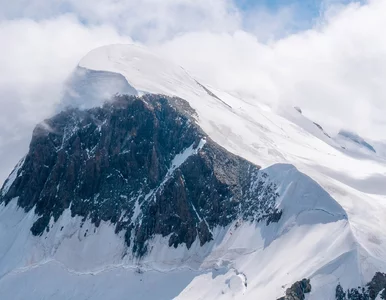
pixel 143 70
pixel 242 261
pixel 251 130
pixel 267 136
pixel 296 116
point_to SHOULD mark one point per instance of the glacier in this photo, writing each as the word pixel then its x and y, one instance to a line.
pixel 332 229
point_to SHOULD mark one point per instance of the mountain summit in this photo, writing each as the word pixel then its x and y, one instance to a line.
pixel 151 184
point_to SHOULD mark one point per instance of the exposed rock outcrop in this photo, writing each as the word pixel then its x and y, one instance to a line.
pixel 376 287
pixel 142 164
pixel 298 290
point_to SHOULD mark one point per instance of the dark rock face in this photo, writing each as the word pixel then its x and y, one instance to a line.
pixel 298 290
pixel 143 165
pixel 377 286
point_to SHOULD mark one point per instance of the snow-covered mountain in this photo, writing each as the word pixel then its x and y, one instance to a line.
pixel 179 190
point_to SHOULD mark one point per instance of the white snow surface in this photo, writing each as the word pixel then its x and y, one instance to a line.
pixel 332 228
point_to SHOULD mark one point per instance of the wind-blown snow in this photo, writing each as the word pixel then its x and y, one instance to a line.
pixel 332 228
pixel 143 70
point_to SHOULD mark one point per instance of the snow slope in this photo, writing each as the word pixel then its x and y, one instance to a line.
pixel 251 130
pixel 244 260
pixel 332 228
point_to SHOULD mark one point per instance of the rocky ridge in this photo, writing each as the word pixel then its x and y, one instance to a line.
pixel 142 164
pixel 298 290
pixel 375 289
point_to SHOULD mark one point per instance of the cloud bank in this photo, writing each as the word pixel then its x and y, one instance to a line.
pixel 334 70
pixel 36 57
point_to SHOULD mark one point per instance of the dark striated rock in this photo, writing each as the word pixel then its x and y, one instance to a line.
pixel 144 165
pixel 298 290
pixel 377 286
pixel 339 293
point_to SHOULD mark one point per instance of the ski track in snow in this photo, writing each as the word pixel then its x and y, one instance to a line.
pixel 94 272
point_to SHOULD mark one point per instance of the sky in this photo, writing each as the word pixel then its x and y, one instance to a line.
pixel 328 57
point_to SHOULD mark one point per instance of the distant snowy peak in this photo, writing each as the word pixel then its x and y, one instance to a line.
pixel 350 139
pixel 346 141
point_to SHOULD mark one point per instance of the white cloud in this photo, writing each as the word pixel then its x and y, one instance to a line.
pixel 145 20
pixel 154 20
pixel 334 71
pixel 35 59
